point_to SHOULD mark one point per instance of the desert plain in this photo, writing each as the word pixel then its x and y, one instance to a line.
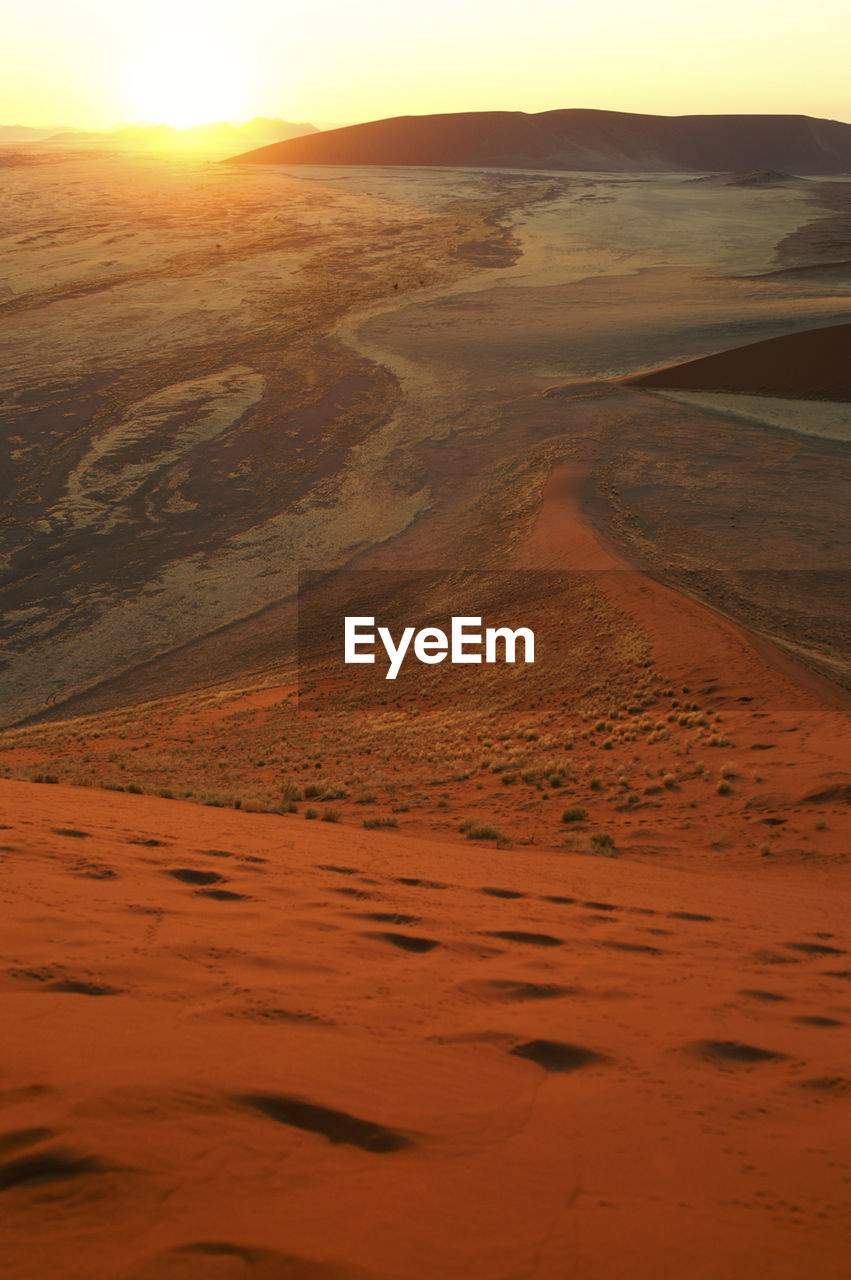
pixel 500 973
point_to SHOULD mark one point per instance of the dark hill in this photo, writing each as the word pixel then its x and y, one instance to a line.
pixel 578 139
pixel 812 365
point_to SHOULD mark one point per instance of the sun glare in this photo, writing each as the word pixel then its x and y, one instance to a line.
pixel 185 85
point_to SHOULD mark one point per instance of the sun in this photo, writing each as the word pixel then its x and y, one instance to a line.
pixel 183 85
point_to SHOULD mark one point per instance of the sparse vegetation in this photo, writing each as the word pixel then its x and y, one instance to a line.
pixel 574 814
pixel 481 831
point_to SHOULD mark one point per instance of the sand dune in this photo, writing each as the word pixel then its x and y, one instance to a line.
pixel 812 365
pixel 295 1052
pixel 539 975
pixel 579 139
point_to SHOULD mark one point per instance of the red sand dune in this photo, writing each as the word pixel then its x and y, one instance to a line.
pixel 238 1045
pixel 813 365
pixel 579 139
pixel 245 1045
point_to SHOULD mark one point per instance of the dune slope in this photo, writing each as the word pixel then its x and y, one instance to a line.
pixel 242 1046
pixel 579 139
pixel 812 365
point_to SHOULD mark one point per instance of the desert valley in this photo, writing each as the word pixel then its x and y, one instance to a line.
pixel 537 970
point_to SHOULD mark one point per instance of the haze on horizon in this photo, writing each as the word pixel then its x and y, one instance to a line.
pixel 96 64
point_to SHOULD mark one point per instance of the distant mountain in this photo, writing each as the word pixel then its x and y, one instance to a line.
pixel 608 141
pixel 23 133
pixel 217 135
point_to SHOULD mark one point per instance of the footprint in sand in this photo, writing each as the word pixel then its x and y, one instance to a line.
pixel 514 989
pixel 836 1085
pixel 421 884
pixel 336 1126
pixel 530 939
pixel 94 870
pixel 189 875
pixel 47 1166
pixel 20 1139
pixel 734 1051
pixel 405 941
pixel 77 988
pixel 644 948
pixel 554 1055
pixel 814 948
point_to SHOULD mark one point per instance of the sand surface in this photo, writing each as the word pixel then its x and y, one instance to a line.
pixel 216 376
pixel 280 1050
pixel 524 972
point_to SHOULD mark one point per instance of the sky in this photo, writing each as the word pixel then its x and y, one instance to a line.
pixel 98 63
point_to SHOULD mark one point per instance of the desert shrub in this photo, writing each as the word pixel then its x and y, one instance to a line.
pixel 330 815
pixel 723 788
pixel 481 831
pixel 575 814
pixel 311 813
pixel 602 842
pixel 375 822
pixel 366 797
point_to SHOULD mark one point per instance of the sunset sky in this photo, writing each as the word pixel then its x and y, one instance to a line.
pixel 95 63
